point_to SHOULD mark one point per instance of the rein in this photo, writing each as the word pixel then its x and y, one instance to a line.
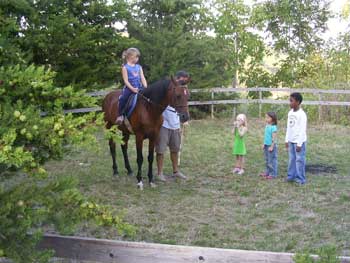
pixel 152 102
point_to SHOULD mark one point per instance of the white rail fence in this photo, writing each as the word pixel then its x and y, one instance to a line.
pixel 260 101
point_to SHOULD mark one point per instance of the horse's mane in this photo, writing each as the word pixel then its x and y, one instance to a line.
pixel 157 91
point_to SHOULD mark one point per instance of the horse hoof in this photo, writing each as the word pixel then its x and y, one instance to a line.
pixel 140 186
pixel 131 173
pixel 115 174
pixel 153 185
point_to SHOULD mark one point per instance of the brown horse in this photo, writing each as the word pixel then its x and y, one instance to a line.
pixel 146 120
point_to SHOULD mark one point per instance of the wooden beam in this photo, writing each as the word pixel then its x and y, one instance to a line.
pixel 103 250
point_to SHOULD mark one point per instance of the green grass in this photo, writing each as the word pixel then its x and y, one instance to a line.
pixel 218 209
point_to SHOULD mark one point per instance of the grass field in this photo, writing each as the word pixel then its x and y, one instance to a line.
pixel 218 209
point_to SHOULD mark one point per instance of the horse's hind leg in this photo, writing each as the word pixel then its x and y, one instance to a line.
pixel 112 149
pixel 139 144
pixel 150 162
pixel 125 154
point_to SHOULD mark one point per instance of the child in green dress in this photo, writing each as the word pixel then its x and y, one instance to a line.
pixel 239 130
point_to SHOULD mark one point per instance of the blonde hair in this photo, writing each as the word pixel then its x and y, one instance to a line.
pixel 243 118
pixel 133 51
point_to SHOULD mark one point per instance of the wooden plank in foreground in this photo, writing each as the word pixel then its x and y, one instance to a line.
pixel 103 250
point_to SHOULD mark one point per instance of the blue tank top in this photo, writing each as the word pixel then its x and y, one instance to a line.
pixel 134 75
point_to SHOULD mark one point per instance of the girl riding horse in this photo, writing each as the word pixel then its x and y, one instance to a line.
pixel 146 120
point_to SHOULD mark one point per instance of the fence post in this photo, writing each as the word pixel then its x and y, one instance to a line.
pixel 234 112
pixel 212 104
pixel 260 105
pixel 319 107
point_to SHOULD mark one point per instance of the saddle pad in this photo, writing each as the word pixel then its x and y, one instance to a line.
pixel 130 105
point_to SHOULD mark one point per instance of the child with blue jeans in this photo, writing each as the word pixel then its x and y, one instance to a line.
pixel 296 140
pixel 270 146
pixel 133 77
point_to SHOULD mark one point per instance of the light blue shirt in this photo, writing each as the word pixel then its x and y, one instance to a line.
pixel 269 129
pixel 171 119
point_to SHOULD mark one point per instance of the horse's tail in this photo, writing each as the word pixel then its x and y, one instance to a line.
pixel 110 107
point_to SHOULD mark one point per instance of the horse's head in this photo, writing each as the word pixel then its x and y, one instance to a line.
pixel 179 96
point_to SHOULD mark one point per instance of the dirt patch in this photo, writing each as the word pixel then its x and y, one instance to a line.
pixel 320 169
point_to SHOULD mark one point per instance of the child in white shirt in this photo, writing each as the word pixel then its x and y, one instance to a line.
pixel 296 140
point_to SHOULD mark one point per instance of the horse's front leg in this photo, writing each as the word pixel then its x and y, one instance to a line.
pixel 124 147
pixel 112 149
pixel 139 144
pixel 150 162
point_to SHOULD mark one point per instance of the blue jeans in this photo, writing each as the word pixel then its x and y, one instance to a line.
pixel 296 165
pixel 123 99
pixel 271 161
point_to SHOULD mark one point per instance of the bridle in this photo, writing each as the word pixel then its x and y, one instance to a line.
pixel 174 95
pixel 173 99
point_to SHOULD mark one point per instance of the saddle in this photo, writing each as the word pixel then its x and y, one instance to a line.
pixel 130 105
pixel 128 110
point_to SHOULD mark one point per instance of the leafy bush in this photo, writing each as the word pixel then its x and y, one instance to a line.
pixel 31 199
pixel 326 254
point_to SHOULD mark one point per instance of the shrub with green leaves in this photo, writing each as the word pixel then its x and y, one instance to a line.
pixel 326 254
pixel 31 199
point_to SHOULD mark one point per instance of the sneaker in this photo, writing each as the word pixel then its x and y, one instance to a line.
pixel 161 177
pixel 289 180
pixel 298 183
pixel 236 170
pixel 269 177
pixel 263 175
pixel 180 175
pixel 241 171
pixel 120 120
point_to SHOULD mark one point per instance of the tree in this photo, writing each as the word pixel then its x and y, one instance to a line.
pixel 172 36
pixel 30 198
pixel 77 39
pixel 293 28
pixel 10 39
pixel 234 28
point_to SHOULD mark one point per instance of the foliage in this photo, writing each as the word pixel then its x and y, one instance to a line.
pixel 233 27
pixel 30 203
pixel 25 94
pixel 30 198
pixel 345 12
pixel 171 37
pixel 77 39
pixel 294 29
pixel 326 254
pixel 258 77
pixel 215 41
pixel 10 50
pixel 35 86
pixel 293 25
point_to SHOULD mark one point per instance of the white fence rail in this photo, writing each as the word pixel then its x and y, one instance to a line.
pixel 319 102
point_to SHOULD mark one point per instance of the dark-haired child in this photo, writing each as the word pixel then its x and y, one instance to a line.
pixel 296 140
pixel 270 146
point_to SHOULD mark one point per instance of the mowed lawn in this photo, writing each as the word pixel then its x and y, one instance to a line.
pixel 216 208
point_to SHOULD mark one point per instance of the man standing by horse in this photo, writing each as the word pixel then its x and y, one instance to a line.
pixel 170 135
